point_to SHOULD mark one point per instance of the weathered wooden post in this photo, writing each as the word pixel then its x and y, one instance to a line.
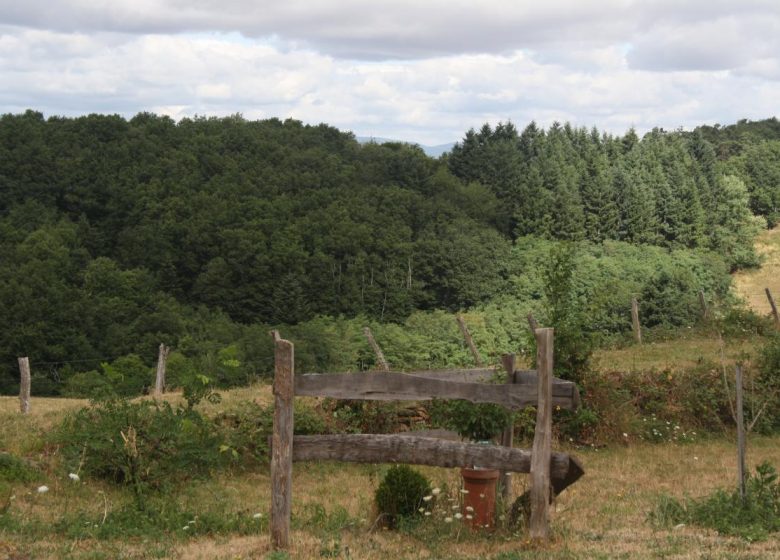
pixel 635 321
pixel 508 436
pixel 705 312
pixel 159 382
pixel 281 443
pixel 24 385
pixel 741 442
pixel 542 448
pixel 470 341
pixel 380 357
pixel 774 307
pixel 532 323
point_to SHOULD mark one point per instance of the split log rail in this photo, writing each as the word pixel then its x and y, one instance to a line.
pixel 556 470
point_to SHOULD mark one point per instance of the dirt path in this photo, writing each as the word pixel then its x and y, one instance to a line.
pixel 750 284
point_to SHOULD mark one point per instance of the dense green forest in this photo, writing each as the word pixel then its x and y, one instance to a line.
pixel 118 234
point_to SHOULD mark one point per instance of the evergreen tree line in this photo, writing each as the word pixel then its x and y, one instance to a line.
pixel 667 189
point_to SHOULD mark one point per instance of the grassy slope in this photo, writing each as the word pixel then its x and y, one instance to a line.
pixel 750 284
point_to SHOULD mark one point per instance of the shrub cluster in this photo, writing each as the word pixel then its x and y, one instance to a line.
pixel 400 494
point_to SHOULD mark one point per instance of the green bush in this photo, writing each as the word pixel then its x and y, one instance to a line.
pixel 475 421
pixel 14 469
pixel 146 445
pixel 401 493
pixel 752 518
pixel 126 376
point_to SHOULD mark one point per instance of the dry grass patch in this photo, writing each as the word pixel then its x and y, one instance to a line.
pixel 750 284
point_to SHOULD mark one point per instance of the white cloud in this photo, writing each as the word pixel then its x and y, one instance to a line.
pixel 423 71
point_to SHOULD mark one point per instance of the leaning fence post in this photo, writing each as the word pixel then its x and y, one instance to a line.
pixel 24 385
pixel 470 341
pixel 281 443
pixel 380 357
pixel 705 312
pixel 532 323
pixel 542 448
pixel 159 381
pixel 635 320
pixel 774 307
pixel 508 436
pixel 741 443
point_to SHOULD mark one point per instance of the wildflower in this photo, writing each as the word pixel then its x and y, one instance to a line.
pixel 186 528
pixel 421 510
pixel 427 498
pixel 695 458
pixel 482 496
pixel 456 506
pixel 43 489
pixel 469 508
pixel 464 491
pixel 458 515
pixel 74 477
pixel 257 516
pixel 427 513
pixel 469 516
pixel 448 519
pixel 436 491
pixel 625 435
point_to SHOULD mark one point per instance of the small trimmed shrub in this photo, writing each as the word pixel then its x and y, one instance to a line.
pixel 401 493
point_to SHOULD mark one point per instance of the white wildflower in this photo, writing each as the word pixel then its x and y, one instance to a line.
pixel 436 491
pixel 469 508
pixel 257 516
pixel 74 477
pixel 625 434
pixel 43 489
pixel 469 516
pixel 448 519
pixel 464 491
pixel 186 528
pixel 458 515
pixel 421 510
pixel 427 498
pixel 427 513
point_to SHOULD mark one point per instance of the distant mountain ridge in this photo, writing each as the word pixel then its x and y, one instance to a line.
pixel 430 151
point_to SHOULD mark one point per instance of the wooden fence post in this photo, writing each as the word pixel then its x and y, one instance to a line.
pixel 380 357
pixel 774 307
pixel 705 312
pixel 741 442
pixel 159 381
pixel 281 443
pixel 542 447
pixel 470 341
pixel 635 321
pixel 532 324
pixel 24 385
pixel 508 436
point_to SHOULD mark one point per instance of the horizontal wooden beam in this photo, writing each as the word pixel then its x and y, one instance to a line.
pixel 383 448
pixel 392 386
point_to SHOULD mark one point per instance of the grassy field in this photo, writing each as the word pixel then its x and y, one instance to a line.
pixel 604 515
pixel 750 284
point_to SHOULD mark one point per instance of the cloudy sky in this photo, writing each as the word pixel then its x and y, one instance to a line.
pixel 423 70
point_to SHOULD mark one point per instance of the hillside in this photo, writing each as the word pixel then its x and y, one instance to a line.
pixel 750 284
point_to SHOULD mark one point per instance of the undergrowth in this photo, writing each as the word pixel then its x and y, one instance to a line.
pixel 752 518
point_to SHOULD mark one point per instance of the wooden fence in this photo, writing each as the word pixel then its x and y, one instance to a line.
pixel 525 388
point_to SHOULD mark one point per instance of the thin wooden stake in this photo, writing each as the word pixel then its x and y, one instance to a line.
pixel 635 321
pixel 281 443
pixel 508 436
pixel 774 307
pixel 380 357
pixel 470 341
pixel 532 324
pixel 705 312
pixel 24 385
pixel 162 358
pixel 542 448
pixel 741 443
